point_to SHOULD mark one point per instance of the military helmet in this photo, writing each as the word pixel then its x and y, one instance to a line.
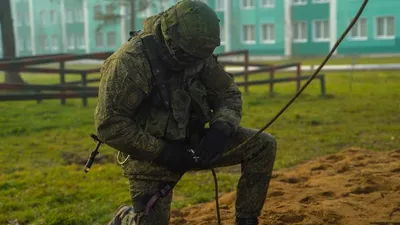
pixel 191 26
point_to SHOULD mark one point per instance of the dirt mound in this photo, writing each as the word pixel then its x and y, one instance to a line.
pixel 355 186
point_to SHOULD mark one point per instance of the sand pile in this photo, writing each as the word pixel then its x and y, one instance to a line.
pixel 352 187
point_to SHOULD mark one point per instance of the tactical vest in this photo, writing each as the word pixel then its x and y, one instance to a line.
pixel 177 107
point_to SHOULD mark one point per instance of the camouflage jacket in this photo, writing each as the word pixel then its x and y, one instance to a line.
pixel 128 120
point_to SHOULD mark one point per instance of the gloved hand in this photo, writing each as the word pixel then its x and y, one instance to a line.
pixel 176 158
pixel 213 144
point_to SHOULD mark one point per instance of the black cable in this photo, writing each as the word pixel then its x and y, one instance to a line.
pixel 337 43
pixel 310 79
pixel 216 195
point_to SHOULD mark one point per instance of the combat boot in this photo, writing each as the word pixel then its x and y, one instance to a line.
pixel 121 213
pixel 247 221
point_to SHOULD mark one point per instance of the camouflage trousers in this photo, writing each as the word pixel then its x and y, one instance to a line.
pixel 257 159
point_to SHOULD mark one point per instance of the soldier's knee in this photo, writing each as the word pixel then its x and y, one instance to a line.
pixel 269 142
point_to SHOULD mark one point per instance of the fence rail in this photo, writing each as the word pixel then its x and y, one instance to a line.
pixel 79 89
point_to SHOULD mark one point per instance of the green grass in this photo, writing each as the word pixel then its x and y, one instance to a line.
pixel 41 184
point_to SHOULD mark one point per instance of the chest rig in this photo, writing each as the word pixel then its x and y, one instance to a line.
pixel 173 92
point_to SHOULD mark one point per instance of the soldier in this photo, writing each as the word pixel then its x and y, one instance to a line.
pixel 157 93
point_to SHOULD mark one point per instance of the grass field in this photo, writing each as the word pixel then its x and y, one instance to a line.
pixel 43 146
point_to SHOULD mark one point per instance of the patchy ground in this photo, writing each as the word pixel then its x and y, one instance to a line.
pixel 354 187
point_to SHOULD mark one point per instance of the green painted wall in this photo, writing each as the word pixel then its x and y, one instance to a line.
pixel 257 16
pixel 371 45
pixel 309 13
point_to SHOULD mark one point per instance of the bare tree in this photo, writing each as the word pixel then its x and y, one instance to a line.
pixel 7 34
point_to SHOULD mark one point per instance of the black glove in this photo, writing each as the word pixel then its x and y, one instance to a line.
pixel 176 158
pixel 213 144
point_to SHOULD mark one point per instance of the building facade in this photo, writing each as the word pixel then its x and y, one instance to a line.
pixel 265 27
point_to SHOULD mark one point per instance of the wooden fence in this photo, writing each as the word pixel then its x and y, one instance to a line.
pixel 79 89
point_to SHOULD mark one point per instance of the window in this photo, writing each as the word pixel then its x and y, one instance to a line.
pixel 385 27
pixel 28 44
pixel 321 1
pixel 53 17
pixel 111 39
pixel 79 15
pixel 299 2
pixel 268 33
pixel 42 42
pixel 247 4
pixel 321 30
pixel 20 44
pixel 359 30
pixel 110 9
pixel 268 3
pixel 47 44
pixel 249 34
pixel 55 44
pixel 80 41
pixel 70 16
pixel 98 10
pixel 145 12
pixel 219 5
pixel 71 41
pixel 99 39
pixel 42 17
pixel 300 31
pixel 222 34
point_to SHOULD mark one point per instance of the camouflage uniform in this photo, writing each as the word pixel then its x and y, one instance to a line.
pixel 128 120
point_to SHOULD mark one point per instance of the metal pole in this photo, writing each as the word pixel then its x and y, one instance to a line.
pixel 246 70
pixel 84 84
pixel 298 74
pixel 271 85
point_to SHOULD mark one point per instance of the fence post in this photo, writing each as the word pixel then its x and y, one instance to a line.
pixel 246 70
pixel 38 100
pixel 298 74
pixel 322 81
pixel 84 84
pixel 62 81
pixel 271 77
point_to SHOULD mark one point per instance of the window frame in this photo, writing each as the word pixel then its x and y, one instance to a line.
pixel 242 6
pixel 386 37
pixel 303 2
pixel 248 42
pixel 102 39
pixel 320 1
pixel 222 34
pixel 55 47
pixel 268 6
pixel 306 32
pixel 315 39
pixel 263 41
pixel 53 17
pixel 356 25
pixel 115 39
pixel 71 44
pixel 217 8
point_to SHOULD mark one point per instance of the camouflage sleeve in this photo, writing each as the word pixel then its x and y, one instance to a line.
pixel 224 95
pixel 121 91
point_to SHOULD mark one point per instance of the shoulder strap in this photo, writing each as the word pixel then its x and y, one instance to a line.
pixel 159 75
pixel 133 34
